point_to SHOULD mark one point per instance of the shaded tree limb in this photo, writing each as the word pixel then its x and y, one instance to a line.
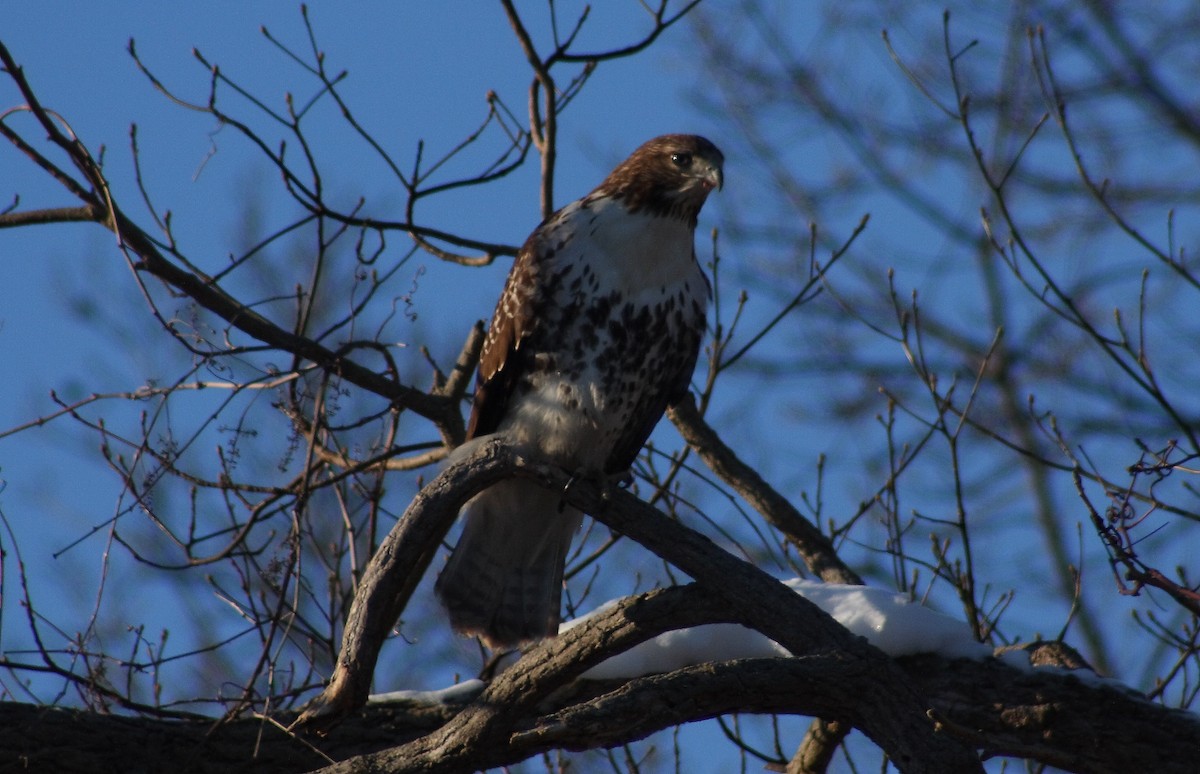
pixel 896 720
pixel 1048 715
pixel 1044 714
pixel 67 740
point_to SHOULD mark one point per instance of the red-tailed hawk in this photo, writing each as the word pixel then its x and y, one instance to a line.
pixel 596 332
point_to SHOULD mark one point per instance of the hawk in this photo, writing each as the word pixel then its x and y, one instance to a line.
pixel 596 332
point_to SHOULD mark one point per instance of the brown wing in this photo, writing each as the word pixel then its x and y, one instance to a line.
pixel 501 361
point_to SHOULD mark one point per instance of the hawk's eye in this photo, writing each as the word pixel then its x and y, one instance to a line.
pixel 681 160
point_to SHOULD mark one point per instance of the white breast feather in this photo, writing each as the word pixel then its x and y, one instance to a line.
pixel 645 259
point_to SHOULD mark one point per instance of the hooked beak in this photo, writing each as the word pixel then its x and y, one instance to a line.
pixel 713 177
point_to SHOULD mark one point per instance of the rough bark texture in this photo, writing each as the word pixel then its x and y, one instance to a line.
pixel 53 739
pixel 895 718
pixel 1047 715
pixel 928 713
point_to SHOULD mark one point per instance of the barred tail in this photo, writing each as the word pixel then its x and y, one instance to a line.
pixel 504 578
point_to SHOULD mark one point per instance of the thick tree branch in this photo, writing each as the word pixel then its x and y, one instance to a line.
pixel 70 741
pixel 1047 714
pixel 390 579
pixel 896 720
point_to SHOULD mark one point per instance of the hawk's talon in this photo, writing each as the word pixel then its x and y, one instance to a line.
pixel 604 484
pixel 562 503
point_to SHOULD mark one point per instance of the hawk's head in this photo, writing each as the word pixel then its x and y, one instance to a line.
pixel 669 176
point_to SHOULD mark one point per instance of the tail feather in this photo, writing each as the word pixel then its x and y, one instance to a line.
pixel 504 578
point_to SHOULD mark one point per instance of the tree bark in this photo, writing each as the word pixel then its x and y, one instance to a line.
pixel 1045 714
pixel 895 718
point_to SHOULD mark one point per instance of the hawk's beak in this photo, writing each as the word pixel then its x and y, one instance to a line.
pixel 713 177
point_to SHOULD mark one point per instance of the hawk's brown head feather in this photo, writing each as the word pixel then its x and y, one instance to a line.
pixel 669 176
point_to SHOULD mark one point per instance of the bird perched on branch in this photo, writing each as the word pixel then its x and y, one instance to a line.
pixel 597 331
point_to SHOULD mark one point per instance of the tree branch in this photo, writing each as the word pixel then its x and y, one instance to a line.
pixel 896 720
pixel 1045 714
pixel 814 547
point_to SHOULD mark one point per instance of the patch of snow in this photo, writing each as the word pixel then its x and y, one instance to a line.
pixel 456 694
pixel 888 620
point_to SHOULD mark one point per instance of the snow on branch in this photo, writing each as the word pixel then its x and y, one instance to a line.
pixel 886 619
